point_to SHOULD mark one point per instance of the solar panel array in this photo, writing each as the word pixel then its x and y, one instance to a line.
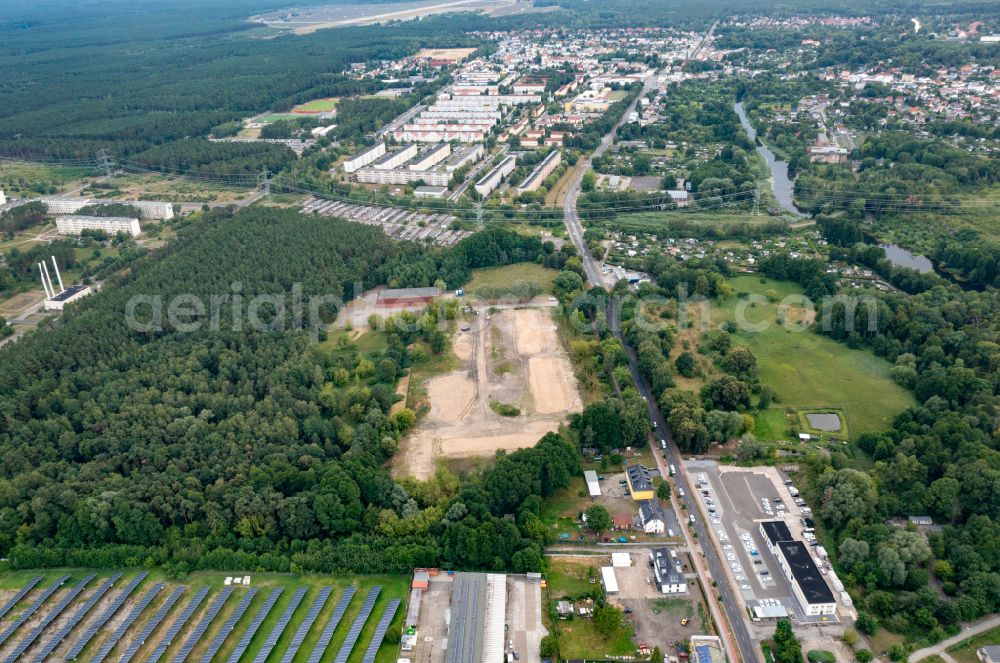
pixel 463 620
pixel 106 648
pixel 279 628
pixel 228 627
pixel 77 617
pixel 151 625
pixel 178 624
pixel 105 616
pixel 258 619
pixel 359 623
pixel 48 619
pixel 32 609
pixel 20 595
pixel 380 631
pixel 203 624
pixel 303 630
pixel 331 626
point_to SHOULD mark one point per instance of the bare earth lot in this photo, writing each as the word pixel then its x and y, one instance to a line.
pixel 512 357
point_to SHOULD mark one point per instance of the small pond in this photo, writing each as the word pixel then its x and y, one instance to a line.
pixel 900 257
pixel 828 421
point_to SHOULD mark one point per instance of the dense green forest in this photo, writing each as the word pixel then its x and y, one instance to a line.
pixel 252 449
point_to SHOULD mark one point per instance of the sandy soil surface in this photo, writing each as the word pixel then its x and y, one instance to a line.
pixel 513 357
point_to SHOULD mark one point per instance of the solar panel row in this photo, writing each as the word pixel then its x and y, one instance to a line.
pixel 464 620
pixel 359 623
pixel 258 619
pixel 203 624
pixel 106 648
pixel 48 619
pixel 307 623
pixel 20 595
pixel 151 625
pixel 380 631
pixel 327 634
pixel 32 609
pixel 77 617
pixel 279 628
pixel 178 624
pixel 227 628
pixel 92 630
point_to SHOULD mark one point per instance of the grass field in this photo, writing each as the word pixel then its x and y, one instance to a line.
pixel 27 180
pixel 810 371
pixel 392 587
pixel 578 639
pixel 658 220
pixel 499 277
pixel 317 106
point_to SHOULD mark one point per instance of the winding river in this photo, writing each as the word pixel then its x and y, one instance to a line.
pixel 780 184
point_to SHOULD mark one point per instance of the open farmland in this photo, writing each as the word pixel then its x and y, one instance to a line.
pixel 134 615
pixel 511 358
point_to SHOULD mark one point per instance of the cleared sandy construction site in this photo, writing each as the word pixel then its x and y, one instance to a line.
pixel 512 357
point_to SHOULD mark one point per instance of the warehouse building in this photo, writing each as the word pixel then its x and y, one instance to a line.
pixel 406 297
pixel 541 170
pixel 808 585
pixel 609 579
pixel 478 616
pixel 775 531
pixel 430 156
pixel 491 180
pixel 112 225
pixel 593 485
pixel 364 157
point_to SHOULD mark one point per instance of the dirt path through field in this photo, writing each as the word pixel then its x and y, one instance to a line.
pixel 513 357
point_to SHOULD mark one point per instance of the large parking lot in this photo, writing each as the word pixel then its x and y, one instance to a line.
pixel 737 500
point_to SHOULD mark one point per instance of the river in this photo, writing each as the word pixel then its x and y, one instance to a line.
pixel 780 184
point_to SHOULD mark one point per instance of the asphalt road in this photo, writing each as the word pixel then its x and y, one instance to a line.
pixel 730 602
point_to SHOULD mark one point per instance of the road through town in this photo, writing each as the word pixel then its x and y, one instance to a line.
pixel 736 637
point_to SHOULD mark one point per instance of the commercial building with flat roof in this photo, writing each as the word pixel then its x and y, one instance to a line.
pixel 610 581
pixel 775 531
pixel 112 225
pixel 593 486
pixel 468 619
pixel 67 296
pixel 706 649
pixel 808 585
pixel 430 191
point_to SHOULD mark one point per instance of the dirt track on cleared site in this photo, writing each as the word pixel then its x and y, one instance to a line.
pixel 513 357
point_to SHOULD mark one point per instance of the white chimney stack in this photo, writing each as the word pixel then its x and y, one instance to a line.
pixel 41 270
pixel 48 278
pixel 58 275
